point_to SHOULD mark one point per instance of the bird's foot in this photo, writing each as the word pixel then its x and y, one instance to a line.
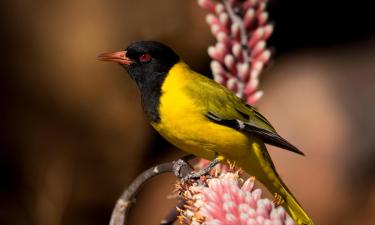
pixel 181 167
pixel 202 172
pixel 196 175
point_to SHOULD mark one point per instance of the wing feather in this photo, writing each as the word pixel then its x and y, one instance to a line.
pixel 223 107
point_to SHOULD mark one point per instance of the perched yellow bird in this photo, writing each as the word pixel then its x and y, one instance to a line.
pixel 203 118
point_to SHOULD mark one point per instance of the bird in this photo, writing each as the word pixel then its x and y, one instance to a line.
pixel 204 118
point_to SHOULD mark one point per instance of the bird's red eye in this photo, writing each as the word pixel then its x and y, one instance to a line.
pixel 144 58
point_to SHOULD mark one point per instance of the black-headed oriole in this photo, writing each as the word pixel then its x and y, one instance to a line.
pixel 203 118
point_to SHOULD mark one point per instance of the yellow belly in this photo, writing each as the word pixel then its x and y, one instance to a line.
pixel 183 123
pixel 197 135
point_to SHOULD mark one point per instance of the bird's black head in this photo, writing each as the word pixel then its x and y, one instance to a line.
pixel 144 59
pixel 148 63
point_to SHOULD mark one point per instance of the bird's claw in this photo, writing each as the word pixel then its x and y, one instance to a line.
pixel 180 168
pixel 195 175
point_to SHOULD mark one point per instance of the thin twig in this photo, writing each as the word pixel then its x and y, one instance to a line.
pixel 180 168
pixel 173 214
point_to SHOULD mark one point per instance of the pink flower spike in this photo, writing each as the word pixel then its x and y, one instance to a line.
pixel 241 29
pixel 208 5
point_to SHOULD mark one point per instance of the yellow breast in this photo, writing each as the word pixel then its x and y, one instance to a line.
pixel 183 121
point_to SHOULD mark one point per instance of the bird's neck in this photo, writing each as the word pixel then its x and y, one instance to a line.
pixel 153 85
pixel 150 89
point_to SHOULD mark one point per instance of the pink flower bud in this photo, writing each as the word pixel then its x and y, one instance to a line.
pixel 256 36
pixel 251 86
pixel 219 8
pixel 230 63
pixel 215 29
pixel 235 30
pixel 212 19
pixel 249 16
pixel 232 84
pixel 268 31
pixel 257 65
pixel 263 57
pixel 236 50
pixel 223 37
pixel 258 48
pixel 243 71
pixel 254 97
pixel 262 18
pixel 216 67
pixel 224 19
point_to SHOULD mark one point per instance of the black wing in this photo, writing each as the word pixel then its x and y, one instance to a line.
pixel 268 137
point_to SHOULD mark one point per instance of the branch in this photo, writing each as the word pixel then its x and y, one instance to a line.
pixel 180 168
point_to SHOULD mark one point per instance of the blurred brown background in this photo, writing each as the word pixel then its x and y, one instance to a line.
pixel 74 135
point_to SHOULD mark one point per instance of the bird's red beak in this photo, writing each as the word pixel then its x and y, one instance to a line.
pixel 119 57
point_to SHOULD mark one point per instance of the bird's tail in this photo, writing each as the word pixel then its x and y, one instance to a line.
pixel 262 167
pixel 288 201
